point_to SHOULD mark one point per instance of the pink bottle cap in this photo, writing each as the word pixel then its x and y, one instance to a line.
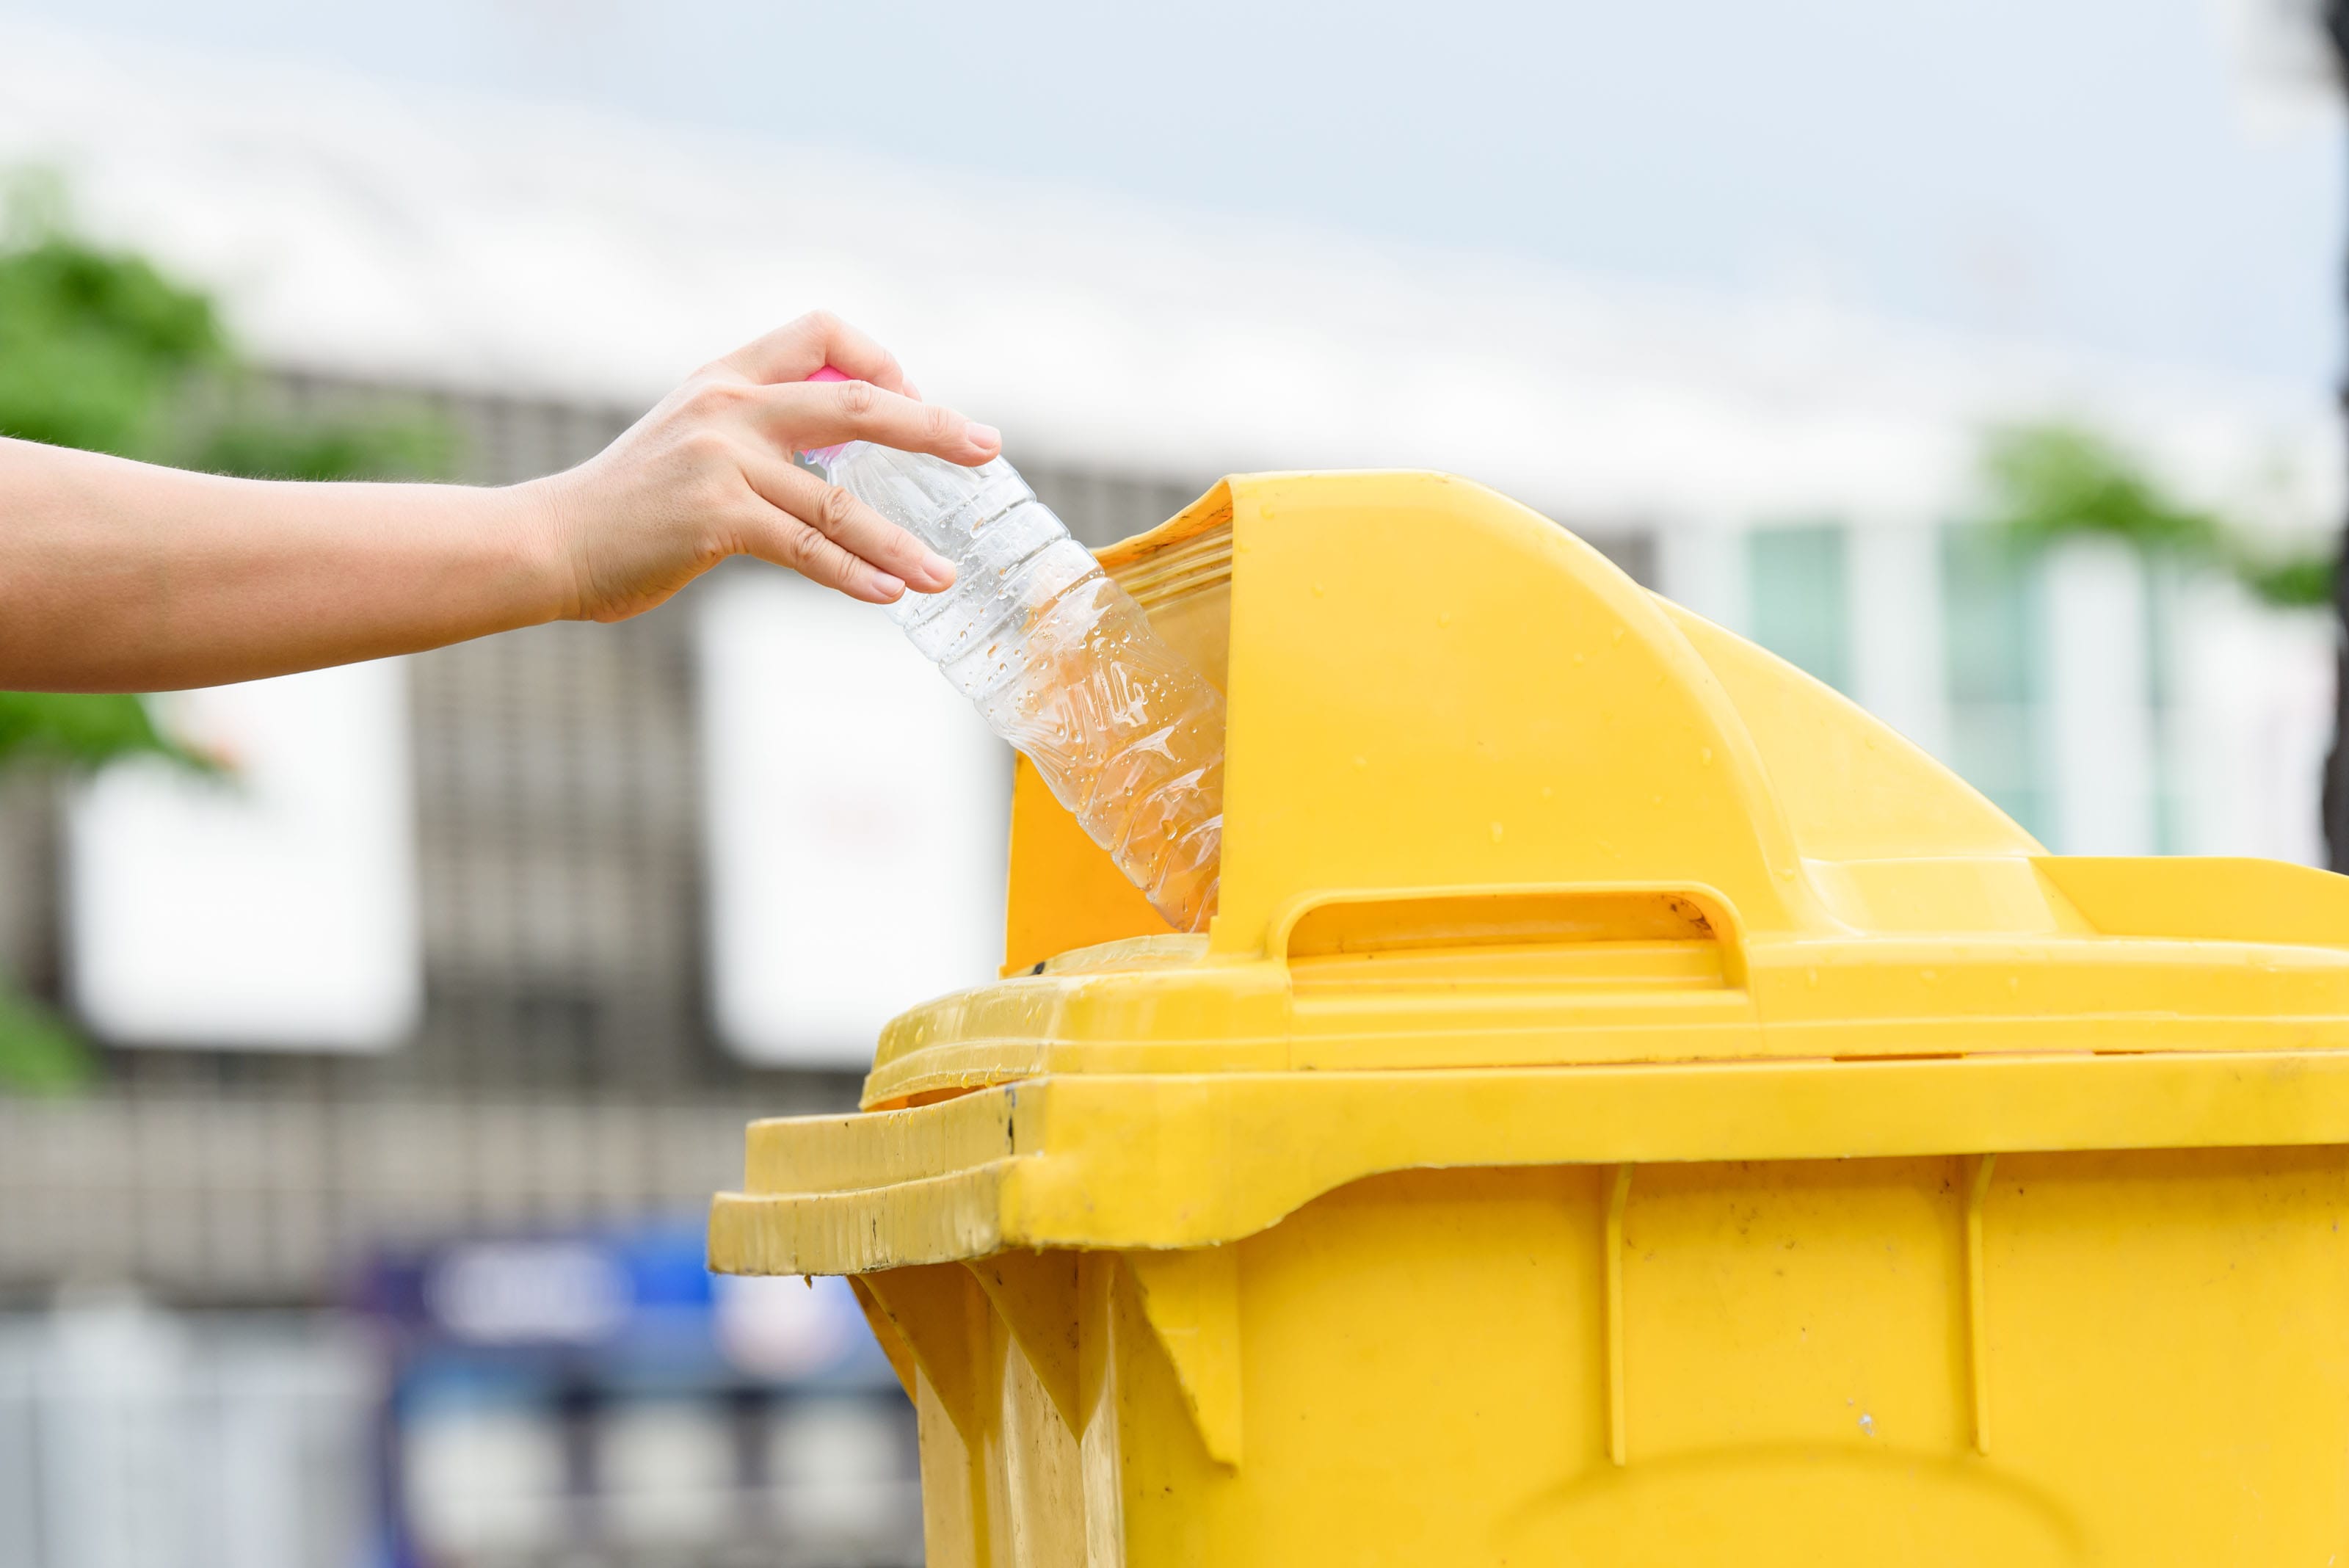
pixel 824 454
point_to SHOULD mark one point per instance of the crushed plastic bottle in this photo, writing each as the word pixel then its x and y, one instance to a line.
pixel 1062 663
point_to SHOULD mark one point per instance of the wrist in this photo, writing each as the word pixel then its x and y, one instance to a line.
pixel 540 528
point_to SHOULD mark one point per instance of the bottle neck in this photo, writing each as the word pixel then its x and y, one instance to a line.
pixel 821 458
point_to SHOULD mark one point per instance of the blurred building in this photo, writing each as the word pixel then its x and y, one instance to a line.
pixel 509 940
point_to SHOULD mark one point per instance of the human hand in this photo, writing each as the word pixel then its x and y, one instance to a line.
pixel 708 473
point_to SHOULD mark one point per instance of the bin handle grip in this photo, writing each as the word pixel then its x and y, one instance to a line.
pixel 1386 919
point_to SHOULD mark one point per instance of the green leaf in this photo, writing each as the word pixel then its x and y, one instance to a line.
pixel 39 1053
pixel 83 730
pixel 101 349
pixel 94 344
pixel 2296 582
pixel 413 447
pixel 2056 482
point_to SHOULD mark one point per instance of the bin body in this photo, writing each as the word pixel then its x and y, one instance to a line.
pixel 1425 1377
pixel 1630 1108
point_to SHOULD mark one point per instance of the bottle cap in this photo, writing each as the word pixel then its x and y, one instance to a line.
pixel 822 456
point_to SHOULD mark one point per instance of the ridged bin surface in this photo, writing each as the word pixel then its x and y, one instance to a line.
pixel 1630 1107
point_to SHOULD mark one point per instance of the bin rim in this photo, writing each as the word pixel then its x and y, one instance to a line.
pixel 1178 1161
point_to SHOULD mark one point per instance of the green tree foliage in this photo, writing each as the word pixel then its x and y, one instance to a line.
pixel 102 349
pixel 81 732
pixel 260 448
pixel 40 1051
pixel 2054 482
pixel 94 345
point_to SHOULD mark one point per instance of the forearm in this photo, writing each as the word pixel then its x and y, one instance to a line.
pixel 122 577
pixel 119 577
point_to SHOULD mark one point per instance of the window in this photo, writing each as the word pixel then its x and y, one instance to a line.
pixel 1993 613
pixel 1801 599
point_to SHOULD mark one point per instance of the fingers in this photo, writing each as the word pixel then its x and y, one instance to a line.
pixel 820 413
pixel 796 351
pixel 826 534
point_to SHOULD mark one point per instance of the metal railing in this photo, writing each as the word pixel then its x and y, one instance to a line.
pixel 133 1438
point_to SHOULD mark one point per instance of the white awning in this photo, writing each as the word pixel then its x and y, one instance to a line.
pixel 474 244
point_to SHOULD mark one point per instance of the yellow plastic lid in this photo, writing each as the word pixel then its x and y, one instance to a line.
pixel 1523 864
pixel 1492 803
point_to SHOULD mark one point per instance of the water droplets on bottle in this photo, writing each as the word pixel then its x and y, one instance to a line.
pixel 1063 664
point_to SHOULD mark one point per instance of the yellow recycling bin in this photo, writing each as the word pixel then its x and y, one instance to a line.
pixel 1630 1107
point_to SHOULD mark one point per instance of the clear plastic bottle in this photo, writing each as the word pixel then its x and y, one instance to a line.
pixel 1063 664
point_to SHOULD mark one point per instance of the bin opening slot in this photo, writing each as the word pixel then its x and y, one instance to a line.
pixel 1435 921
pixel 1065 891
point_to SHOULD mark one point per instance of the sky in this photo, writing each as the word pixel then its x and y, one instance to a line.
pixel 2092 173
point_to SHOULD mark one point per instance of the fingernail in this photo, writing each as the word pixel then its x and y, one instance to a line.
pixel 888 587
pixel 938 569
pixel 985 435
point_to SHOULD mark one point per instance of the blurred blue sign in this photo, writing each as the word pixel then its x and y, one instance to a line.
pixel 632 1296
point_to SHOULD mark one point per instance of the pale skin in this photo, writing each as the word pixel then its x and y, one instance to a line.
pixel 123 577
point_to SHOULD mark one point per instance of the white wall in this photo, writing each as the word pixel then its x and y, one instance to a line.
pixel 1899 656
pixel 276 908
pixel 2097 725
pixel 1701 565
pixel 856 818
pixel 2253 718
